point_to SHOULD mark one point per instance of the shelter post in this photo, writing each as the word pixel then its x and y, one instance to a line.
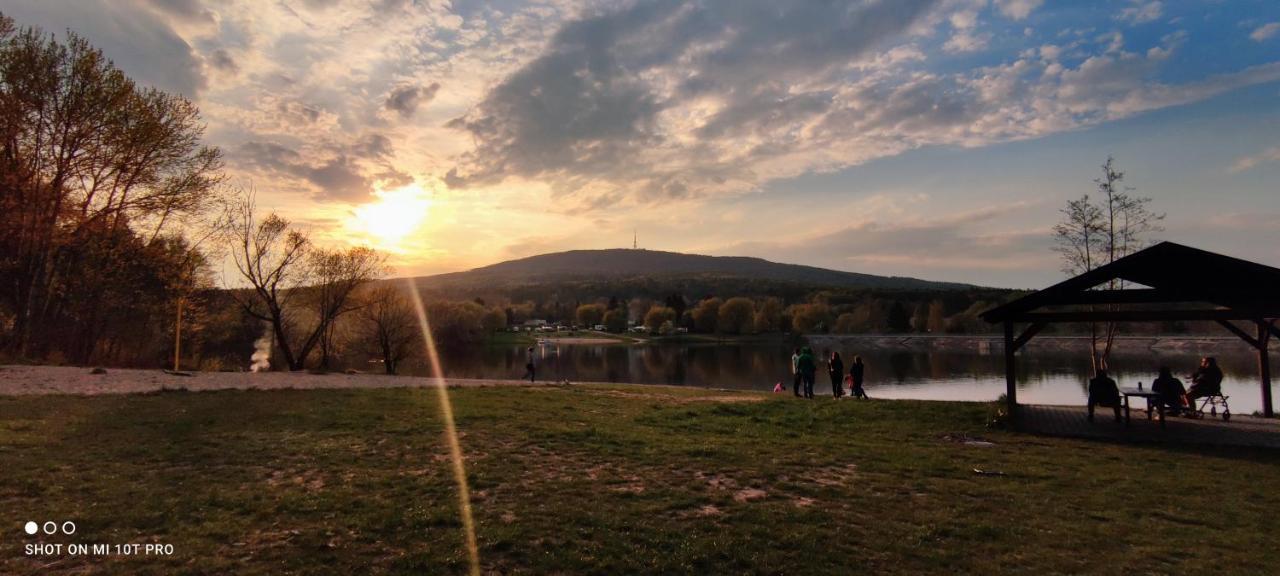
pixel 1010 376
pixel 1264 367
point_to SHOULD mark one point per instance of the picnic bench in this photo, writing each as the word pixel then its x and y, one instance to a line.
pixel 1153 401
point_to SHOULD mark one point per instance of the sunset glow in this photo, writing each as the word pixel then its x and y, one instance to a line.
pixel 394 216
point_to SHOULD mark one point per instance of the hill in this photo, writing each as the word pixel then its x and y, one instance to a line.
pixel 658 271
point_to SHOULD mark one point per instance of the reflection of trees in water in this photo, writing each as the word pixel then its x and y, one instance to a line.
pixel 736 363
pixel 901 365
pixel 704 365
pixel 617 364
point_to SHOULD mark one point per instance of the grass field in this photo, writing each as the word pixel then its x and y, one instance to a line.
pixel 612 480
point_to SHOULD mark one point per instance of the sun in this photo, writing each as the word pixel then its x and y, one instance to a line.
pixel 393 216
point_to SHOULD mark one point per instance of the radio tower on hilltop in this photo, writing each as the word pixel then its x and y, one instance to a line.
pixel 635 245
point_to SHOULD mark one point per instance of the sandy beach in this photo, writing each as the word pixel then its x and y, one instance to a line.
pixel 20 380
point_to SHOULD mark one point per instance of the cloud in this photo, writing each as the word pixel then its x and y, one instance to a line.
pixel 622 96
pixel 138 41
pixel 1265 32
pixel 965 41
pixel 405 99
pixel 1018 9
pixel 1246 162
pixel 221 60
pixel 191 11
pixel 670 99
pixel 334 172
pixel 1141 11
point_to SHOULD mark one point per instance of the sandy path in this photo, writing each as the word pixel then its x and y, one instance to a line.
pixel 23 380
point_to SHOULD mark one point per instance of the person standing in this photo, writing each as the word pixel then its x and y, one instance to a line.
pixel 808 367
pixel 529 368
pixel 856 372
pixel 795 372
pixel 835 369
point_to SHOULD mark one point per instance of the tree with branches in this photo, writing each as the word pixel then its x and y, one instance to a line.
pixel 291 281
pixel 337 274
pixel 84 153
pixel 389 326
pixel 1095 231
pixel 271 258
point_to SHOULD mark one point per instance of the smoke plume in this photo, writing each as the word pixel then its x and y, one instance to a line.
pixel 262 353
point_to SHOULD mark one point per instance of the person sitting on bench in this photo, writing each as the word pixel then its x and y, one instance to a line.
pixel 1206 382
pixel 1104 392
pixel 1172 394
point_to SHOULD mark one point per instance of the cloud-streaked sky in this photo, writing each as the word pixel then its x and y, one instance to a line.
pixel 930 138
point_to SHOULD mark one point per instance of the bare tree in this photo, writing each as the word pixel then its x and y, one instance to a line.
pixel 1095 233
pixel 1078 237
pixel 337 274
pixel 390 326
pixel 288 275
pixel 1079 241
pixel 271 258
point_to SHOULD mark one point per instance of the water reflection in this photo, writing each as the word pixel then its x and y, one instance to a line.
pixel 1045 376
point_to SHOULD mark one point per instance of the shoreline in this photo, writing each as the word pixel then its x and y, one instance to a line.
pixel 36 380
pixel 994 343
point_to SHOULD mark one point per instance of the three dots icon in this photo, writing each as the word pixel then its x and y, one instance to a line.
pixel 31 528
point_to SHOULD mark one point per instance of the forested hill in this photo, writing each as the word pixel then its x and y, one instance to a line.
pixel 630 267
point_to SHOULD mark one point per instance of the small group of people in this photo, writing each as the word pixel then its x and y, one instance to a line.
pixel 804 372
pixel 1205 382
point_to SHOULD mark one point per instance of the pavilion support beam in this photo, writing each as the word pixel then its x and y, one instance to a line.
pixel 1027 335
pixel 1242 334
pixel 1010 372
pixel 1264 366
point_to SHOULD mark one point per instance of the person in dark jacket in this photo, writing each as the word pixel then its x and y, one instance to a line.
pixel 1207 381
pixel 1104 392
pixel 835 369
pixel 856 371
pixel 808 367
pixel 1170 389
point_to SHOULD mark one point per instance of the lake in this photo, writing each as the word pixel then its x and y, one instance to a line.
pixel 1046 376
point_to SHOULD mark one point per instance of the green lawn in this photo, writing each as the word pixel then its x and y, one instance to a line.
pixel 612 480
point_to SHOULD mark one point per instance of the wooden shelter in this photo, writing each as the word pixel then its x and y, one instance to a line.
pixel 1166 282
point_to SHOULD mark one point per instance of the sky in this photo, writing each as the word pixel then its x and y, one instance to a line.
pixel 930 138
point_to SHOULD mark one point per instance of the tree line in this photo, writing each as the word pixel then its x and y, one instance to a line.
pixel 846 312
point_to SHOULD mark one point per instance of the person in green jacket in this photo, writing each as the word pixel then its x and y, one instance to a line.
pixel 808 368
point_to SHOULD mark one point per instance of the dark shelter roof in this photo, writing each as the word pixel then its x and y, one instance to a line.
pixel 1220 287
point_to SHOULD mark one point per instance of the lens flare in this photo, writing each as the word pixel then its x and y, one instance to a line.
pixel 450 431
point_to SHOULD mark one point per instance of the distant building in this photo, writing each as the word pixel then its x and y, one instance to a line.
pixel 536 323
